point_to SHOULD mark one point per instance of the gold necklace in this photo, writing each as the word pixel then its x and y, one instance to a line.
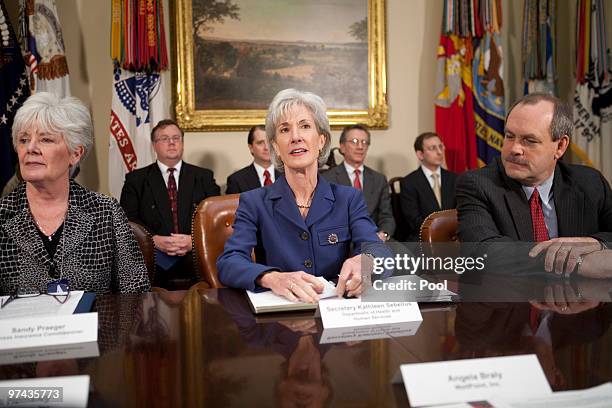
pixel 308 204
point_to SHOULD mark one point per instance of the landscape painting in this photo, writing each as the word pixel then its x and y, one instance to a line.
pixel 258 48
pixel 235 55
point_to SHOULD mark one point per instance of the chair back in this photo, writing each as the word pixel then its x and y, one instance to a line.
pixel 401 228
pixel 147 247
pixel 211 227
pixel 438 227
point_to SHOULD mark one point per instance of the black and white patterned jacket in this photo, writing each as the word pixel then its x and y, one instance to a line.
pixel 97 253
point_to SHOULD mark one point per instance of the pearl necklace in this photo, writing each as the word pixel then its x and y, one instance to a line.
pixel 308 203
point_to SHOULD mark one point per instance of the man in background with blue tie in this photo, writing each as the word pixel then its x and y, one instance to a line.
pixel 163 197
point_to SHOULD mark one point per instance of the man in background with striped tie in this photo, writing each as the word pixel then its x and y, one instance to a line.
pixel 530 195
pixel 163 197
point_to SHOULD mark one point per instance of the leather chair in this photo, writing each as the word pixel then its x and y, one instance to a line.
pixel 147 247
pixel 438 227
pixel 401 229
pixel 211 226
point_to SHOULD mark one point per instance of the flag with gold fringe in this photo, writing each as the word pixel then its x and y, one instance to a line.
pixel 44 48
pixel 14 90
pixel 538 46
pixel 139 53
pixel 469 93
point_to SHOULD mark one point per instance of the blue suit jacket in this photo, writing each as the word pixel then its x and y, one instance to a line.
pixel 269 220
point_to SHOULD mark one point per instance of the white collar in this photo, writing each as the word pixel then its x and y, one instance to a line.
pixel 428 172
pixel 164 169
pixel 351 170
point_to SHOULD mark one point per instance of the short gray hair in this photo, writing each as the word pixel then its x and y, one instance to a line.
pixel 562 122
pixel 66 116
pixel 282 103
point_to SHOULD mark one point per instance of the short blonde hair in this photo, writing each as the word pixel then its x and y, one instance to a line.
pixel 282 103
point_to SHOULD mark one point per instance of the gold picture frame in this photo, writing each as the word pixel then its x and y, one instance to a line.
pixel 192 118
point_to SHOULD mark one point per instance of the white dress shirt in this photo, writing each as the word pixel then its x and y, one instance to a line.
pixel 548 205
pixel 260 172
pixel 428 175
pixel 165 174
pixel 351 173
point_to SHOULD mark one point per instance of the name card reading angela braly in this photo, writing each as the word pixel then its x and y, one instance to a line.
pixel 48 330
pixel 353 312
pixel 476 379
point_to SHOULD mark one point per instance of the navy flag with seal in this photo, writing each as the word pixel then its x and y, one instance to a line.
pixel 14 90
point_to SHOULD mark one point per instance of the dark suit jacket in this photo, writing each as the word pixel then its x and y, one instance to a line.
pixel 244 179
pixel 418 199
pixel 375 192
pixel 269 218
pixel 145 197
pixel 493 207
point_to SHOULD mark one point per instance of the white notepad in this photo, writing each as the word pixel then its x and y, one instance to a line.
pixel 266 302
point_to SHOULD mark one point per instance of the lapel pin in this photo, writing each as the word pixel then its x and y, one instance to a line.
pixel 332 239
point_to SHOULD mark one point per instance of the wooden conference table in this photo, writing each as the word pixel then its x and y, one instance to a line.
pixel 206 348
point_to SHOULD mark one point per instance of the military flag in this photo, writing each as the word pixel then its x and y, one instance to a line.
pixel 14 90
pixel 138 50
pixel 592 138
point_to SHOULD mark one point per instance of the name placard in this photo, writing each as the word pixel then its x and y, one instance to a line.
pixel 478 379
pixel 48 331
pixel 337 313
pixel 360 333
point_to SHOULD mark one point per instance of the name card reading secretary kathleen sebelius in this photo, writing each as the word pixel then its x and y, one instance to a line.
pixel 337 313
pixel 477 379
pixel 48 330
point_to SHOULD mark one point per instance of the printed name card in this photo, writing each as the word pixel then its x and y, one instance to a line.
pixel 361 333
pixel 48 330
pixel 337 313
pixel 478 379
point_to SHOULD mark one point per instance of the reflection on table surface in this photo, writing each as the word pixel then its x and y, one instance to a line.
pixel 206 348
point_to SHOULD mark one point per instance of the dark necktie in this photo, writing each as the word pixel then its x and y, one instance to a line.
pixel 357 182
pixel 173 196
pixel 540 233
pixel 267 179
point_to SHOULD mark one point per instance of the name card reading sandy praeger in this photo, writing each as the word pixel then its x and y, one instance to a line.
pixel 48 330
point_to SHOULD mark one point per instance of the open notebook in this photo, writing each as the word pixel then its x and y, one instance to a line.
pixel 267 302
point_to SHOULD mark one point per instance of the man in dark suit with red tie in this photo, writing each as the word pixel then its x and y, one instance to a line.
pixel 259 173
pixel 530 195
pixel 429 188
pixel 163 197
pixel 354 144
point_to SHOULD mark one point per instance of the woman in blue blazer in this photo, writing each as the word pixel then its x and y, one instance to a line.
pixel 301 226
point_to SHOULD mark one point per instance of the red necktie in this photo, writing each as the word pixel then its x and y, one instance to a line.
pixel 267 179
pixel 357 182
pixel 172 195
pixel 540 233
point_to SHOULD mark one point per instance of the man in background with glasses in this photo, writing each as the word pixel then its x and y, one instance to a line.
pixel 429 188
pixel 163 197
pixel 354 144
